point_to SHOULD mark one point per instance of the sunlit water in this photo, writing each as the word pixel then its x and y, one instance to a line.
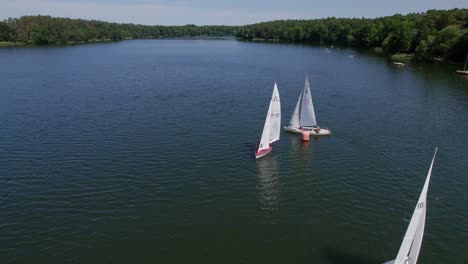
pixel 142 152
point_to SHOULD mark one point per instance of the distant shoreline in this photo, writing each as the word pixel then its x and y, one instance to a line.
pixel 433 36
pixel 436 35
pixel 47 30
pixel 22 44
pixel 400 57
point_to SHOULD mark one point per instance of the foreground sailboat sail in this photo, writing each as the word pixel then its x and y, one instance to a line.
pixel 303 117
pixel 409 249
pixel 272 127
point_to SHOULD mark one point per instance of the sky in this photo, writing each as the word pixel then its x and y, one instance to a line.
pixel 216 12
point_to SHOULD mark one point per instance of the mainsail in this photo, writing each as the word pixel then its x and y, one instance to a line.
pixel 275 115
pixel 304 114
pixel 409 249
pixel 307 113
pixel 271 129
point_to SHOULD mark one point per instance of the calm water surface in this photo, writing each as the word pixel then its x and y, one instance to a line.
pixel 142 152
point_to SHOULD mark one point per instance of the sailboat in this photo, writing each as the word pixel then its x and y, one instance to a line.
pixel 409 249
pixel 464 72
pixel 303 117
pixel 272 127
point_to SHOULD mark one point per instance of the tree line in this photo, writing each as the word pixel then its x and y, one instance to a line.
pixel 434 34
pixel 43 30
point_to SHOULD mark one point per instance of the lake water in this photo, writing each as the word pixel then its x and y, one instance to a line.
pixel 142 152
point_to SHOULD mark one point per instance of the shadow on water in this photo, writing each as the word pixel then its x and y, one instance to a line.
pixel 338 256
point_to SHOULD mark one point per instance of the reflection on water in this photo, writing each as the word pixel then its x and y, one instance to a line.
pixel 268 183
pixel 301 148
pixel 462 77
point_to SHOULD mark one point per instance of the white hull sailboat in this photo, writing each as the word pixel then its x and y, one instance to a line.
pixel 272 127
pixel 464 71
pixel 409 249
pixel 303 118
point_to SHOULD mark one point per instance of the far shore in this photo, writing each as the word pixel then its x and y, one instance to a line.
pixel 399 57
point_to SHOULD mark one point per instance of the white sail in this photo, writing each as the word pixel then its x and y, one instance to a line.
pixel 409 249
pixel 275 115
pixel 265 140
pixel 271 129
pixel 294 122
pixel 307 113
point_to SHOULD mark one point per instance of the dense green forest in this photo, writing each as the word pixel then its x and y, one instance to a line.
pixel 40 30
pixel 441 34
pixel 435 34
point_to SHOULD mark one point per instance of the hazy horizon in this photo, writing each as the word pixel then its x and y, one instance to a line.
pixel 210 12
